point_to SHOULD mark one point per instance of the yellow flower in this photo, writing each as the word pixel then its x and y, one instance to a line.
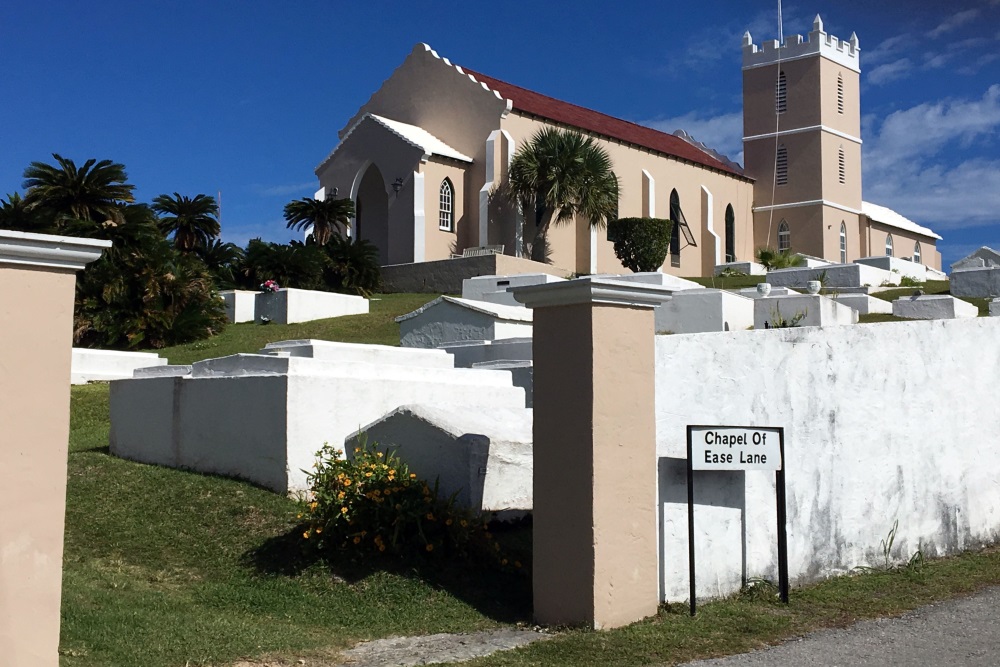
pixel 343 510
pixel 381 547
pixel 430 547
pixel 368 474
pixel 463 523
pixel 376 493
pixel 413 475
pixel 347 482
pixel 357 540
pixel 313 505
pixel 357 450
pixel 305 535
pixel 447 522
pixel 298 516
pixel 378 454
pixel 430 516
pixel 340 496
pixel 319 530
pixel 392 472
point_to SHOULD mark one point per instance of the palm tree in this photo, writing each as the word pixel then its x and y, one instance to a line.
pixel 15 214
pixel 324 216
pixel 561 174
pixel 193 222
pixel 772 259
pixel 96 192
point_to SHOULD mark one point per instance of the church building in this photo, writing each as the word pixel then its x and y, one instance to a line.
pixel 424 157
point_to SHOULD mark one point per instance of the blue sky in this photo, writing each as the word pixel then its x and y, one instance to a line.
pixel 246 97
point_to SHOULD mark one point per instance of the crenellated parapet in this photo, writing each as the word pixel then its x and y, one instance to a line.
pixel 844 52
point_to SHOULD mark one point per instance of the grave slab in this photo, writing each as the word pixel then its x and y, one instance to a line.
pixel 995 308
pixel 101 365
pixel 493 289
pixel 449 320
pixel 697 311
pixel 749 268
pixel 817 311
pixel 980 282
pixel 469 353
pixel 289 305
pixel 933 307
pixel 863 303
pixel 833 276
pixel 897 265
pixel 240 304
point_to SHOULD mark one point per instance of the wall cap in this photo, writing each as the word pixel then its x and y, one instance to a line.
pixel 48 250
pixel 605 291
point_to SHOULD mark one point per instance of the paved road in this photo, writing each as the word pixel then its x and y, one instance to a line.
pixel 958 633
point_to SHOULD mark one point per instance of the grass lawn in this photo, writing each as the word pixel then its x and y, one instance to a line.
pixel 168 568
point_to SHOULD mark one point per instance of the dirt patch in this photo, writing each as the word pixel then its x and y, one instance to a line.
pixel 436 649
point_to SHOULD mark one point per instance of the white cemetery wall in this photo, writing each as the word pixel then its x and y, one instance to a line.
pixel 289 306
pixel 984 282
pixel 883 423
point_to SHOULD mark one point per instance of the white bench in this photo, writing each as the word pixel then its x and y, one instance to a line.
pixel 480 251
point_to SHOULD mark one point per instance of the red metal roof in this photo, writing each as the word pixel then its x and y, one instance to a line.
pixel 536 104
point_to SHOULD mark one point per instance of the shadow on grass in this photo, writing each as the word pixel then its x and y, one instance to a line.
pixel 503 596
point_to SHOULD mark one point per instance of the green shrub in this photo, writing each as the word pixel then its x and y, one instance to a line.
pixel 772 259
pixel 641 244
pixel 372 505
pixel 354 266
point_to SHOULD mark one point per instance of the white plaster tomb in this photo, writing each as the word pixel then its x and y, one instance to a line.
pixel 834 275
pixel 241 304
pixel 863 303
pixel 933 307
pixel 99 365
pixel 482 455
pixel 449 319
pixel 977 282
pixel 696 311
pixel 493 289
pixel 818 311
pixel 289 305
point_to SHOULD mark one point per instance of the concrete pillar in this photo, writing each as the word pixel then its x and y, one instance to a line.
pixel 36 326
pixel 595 545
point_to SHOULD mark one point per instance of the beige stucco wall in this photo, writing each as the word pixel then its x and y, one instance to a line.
pixel 802 96
pixel 571 243
pixel 902 244
pixel 440 244
pixel 36 315
pixel 848 122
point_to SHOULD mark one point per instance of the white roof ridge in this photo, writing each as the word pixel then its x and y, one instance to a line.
pixel 886 216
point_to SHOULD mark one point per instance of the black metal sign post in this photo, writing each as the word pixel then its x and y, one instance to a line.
pixel 738 448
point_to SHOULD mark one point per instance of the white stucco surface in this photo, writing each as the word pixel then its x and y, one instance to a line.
pixel 995 308
pixel 99 365
pixel 522 374
pixel 833 275
pixel 863 303
pixel 671 283
pixel 933 307
pixel 976 282
pixel 883 422
pixel 818 311
pixel 902 267
pixel 493 289
pixel 984 256
pixel 240 304
pixel 288 306
pixel 482 455
pixel 695 311
pixel 449 319
pixel 372 354
pixel 752 293
pixel 263 417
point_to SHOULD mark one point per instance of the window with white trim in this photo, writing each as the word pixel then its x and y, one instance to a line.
pixel 888 245
pixel 730 234
pixel 446 211
pixel 843 243
pixel 916 252
pixel 781 94
pixel 781 166
pixel 842 165
pixel 840 93
pixel 675 231
pixel 784 237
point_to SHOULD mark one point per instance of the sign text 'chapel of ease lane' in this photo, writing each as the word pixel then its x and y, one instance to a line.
pixel 735 448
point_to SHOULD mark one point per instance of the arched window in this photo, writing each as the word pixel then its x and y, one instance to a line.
pixel 843 243
pixel 784 237
pixel 675 231
pixel 780 94
pixel 730 234
pixel 916 252
pixel 840 93
pixel 888 245
pixel 446 211
pixel 615 213
pixel 781 165
pixel 842 165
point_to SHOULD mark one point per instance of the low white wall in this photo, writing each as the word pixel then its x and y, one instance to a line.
pixel 863 303
pixel 100 365
pixel 493 289
pixel 289 306
pixel 240 305
pixel 883 422
pixel 469 353
pixel 983 282
pixel 749 268
pixel 694 311
pixel 834 275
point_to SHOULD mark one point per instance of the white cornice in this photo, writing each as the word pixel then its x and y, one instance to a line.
pixel 592 290
pixel 812 202
pixel 48 251
pixel 811 128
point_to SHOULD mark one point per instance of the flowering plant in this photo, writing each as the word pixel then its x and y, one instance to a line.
pixel 269 286
pixel 372 504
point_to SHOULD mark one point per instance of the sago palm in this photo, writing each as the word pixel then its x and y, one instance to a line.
pixel 325 216
pixel 194 222
pixel 561 174
pixel 95 192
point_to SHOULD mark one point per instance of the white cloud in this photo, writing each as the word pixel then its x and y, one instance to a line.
pixel 723 133
pixel 306 188
pixel 890 71
pixel 953 22
pixel 913 164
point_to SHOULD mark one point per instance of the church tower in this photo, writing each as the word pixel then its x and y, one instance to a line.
pixel 802 143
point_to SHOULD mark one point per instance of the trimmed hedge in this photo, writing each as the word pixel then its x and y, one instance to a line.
pixel 641 244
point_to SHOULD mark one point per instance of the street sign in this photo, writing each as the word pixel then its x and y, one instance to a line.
pixel 735 448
